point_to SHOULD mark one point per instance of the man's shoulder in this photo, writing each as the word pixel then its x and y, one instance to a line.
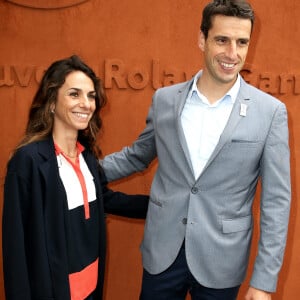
pixel 254 93
pixel 174 88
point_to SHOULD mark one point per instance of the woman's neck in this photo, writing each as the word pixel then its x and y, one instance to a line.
pixel 67 144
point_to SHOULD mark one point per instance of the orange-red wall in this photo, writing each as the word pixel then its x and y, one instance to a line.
pixel 136 47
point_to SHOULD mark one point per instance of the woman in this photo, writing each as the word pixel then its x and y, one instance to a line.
pixel 55 194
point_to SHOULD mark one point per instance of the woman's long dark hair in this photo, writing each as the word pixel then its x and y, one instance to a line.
pixel 40 119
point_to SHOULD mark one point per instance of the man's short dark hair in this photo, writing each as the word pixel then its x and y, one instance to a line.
pixel 232 8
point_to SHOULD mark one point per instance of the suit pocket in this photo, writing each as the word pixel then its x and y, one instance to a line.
pixel 238 224
pixel 156 202
pixel 245 143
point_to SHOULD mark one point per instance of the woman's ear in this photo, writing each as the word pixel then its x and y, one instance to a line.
pixel 52 108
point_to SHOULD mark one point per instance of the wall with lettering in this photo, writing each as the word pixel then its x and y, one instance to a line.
pixel 137 47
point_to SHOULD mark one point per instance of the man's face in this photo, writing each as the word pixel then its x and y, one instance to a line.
pixel 225 48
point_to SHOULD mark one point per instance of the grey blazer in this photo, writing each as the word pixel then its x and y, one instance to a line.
pixel 213 214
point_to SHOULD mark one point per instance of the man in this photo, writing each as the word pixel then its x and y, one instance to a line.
pixel 215 137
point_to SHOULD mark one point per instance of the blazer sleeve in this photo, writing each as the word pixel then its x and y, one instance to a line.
pixel 16 280
pixel 274 203
pixel 121 204
pixel 134 158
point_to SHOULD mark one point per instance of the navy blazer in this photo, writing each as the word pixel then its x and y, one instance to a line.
pixel 34 237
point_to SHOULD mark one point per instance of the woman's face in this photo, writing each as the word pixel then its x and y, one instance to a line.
pixel 75 103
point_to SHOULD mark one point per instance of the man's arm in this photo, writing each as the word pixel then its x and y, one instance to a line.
pixel 274 206
pixel 132 159
pixel 254 294
pixel 121 204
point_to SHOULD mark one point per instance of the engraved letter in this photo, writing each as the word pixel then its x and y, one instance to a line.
pixel 156 84
pixel 114 70
pixel 23 76
pixel 268 83
pixel 297 84
pixel 171 77
pixel 6 78
pixel 284 80
pixel 39 72
pixel 138 79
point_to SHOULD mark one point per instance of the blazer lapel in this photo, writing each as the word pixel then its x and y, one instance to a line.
pixel 235 117
pixel 180 100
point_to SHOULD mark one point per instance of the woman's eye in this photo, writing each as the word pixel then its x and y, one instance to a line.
pixel 74 94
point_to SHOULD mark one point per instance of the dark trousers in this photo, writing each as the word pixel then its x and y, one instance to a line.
pixel 177 281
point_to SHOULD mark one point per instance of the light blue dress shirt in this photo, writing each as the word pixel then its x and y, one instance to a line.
pixel 203 123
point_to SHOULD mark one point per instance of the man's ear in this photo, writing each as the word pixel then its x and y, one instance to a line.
pixel 201 40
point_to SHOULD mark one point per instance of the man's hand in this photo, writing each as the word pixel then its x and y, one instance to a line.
pixel 255 294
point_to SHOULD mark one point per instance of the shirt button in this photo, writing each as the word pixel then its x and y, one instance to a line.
pixel 184 221
pixel 194 190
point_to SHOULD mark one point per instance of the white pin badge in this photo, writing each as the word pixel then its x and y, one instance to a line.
pixel 243 111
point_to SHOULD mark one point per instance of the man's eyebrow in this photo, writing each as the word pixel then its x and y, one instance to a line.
pixel 221 37
pixel 244 39
pixel 229 38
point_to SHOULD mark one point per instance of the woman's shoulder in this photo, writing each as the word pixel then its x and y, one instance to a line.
pixel 25 151
pixel 29 154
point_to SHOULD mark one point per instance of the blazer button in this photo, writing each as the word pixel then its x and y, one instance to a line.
pixel 194 190
pixel 184 221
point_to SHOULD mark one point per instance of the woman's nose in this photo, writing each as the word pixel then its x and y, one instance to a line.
pixel 84 102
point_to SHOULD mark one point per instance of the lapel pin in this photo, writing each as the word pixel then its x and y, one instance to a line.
pixel 243 111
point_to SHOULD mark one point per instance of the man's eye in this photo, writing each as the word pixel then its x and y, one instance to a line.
pixel 243 42
pixel 221 41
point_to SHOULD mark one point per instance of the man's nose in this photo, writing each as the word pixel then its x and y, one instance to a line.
pixel 232 50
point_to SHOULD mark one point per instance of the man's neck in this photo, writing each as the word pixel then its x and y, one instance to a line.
pixel 213 90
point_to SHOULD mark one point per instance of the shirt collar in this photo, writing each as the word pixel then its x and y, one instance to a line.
pixel 79 147
pixel 231 94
